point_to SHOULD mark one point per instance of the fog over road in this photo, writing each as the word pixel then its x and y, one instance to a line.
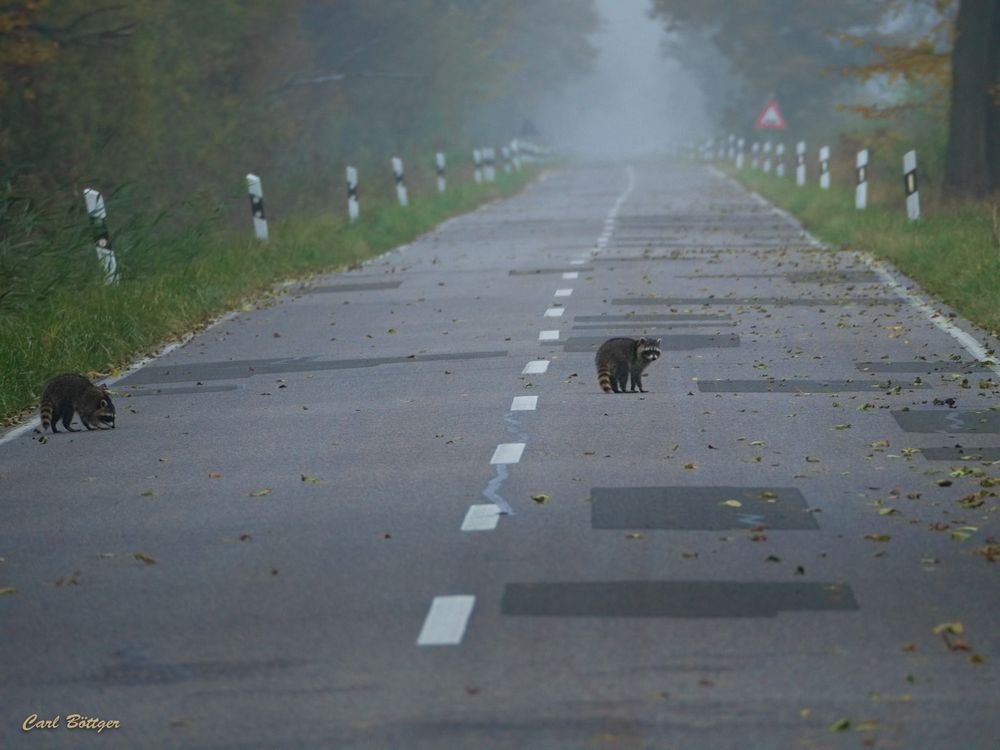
pixel 755 549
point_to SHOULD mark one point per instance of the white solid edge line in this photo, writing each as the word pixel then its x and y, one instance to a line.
pixel 524 403
pixel 535 367
pixel 548 335
pixel 507 453
pixel 967 340
pixel 563 292
pixel 446 620
pixel 481 518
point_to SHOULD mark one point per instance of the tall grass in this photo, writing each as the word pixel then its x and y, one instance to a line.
pixel 178 269
pixel 951 251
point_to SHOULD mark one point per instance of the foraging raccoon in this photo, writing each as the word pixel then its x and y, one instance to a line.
pixel 622 359
pixel 67 394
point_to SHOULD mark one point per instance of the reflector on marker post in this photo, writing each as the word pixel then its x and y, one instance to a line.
pixel 824 167
pixel 779 154
pixel 910 182
pixel 257 206
pixel 767 157
pixel 800 164
pixel 102 240
pixel 477 160
pixel 439 164
pixel 353 209
pixel 739 153
pixel 397 171
pixel 861 189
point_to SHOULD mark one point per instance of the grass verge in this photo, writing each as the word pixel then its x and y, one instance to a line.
pixel 180 281
pixel 952 252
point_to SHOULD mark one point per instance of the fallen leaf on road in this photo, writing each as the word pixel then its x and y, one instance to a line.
pixel 732 503
pixel 878 537
pixel 633 535
pixel 840 725
pixel 540 498
pixel 7 590
pixel 311 480
pixel 143 557
pixel 955 628
pixel 148 493
pixel 261 493
pixel 690 466
pixel 887 511
pixel 215 475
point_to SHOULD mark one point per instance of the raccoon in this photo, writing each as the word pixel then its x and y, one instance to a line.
pixel 67 394
pixel 620 360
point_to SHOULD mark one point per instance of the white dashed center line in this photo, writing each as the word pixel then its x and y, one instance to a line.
pixel 554 312
pixel 570 275
pixel 548 335
pixel 524 403
pixel 507 453
pixel 536 366
pixel 481 518
pixel 563 292
pixel 446 620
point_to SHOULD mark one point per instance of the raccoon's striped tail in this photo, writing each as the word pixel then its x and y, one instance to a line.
pixel 45 412
pixel 604 379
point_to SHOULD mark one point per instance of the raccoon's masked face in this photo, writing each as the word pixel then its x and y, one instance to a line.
pixel 649 350
pixel 105 413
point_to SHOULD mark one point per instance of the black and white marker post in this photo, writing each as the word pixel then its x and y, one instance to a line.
pixel 353 209
pixel 767 157
pixel 739 153
pixel 755 155
pixel 910 181
pixel 102 240
pixel 800 164
pixel 732 146
pixel 257 207
pixel 439 164
pixel 779 157
pixel 515 149
pixel 490 157
pixel 824 167
pixel 397 171
pixel 861 189
pixel 477 160
pixel 505 153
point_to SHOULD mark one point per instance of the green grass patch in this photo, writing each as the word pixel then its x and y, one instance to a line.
pixel 951 251
pixel 56 315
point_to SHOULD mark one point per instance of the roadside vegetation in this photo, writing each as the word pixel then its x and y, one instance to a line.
pixel 57 315
pixel 952 251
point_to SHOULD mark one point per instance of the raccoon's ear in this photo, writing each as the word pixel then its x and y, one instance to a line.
pixel 659 342
pixel 642 341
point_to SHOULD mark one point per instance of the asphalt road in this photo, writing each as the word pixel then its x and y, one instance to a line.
pixel 394 509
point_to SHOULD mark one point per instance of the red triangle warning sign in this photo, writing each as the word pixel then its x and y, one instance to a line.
pixel 770 117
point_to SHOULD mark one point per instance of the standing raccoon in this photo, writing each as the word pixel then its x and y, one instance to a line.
pixel 622 359
pixel 67 394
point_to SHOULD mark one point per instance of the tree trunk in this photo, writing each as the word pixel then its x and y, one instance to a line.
pixel 973 159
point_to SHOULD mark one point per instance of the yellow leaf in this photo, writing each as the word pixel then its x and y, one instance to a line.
pixel 7 590
pixel 690 466
pixel 215 475
pixel 311 480
pixel 633 535
pixel 840 725
pixel 540 499
pixel 768 495
pixel 261 493
pixel 887 511
pixel 733 503
pixel 878 537
pixel 142 557
pixel 955 628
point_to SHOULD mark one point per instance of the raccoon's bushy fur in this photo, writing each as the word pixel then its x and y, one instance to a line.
pixel 621 360
pixel 69 394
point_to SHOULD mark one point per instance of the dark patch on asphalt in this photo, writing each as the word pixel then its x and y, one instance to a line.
pixel 928 367
pixel 141 672
pixel 752 301
pixel 703 255
pixel 673 598
pixel 655 326
pixel 358 287
pixel 245 368
pixel 664 318
pixel 699 508
pixel 950 421
pixel 800 386
pixel 538 271
pixel 133 392
pixel 678 343
pixel 955 453
pixel 796 277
